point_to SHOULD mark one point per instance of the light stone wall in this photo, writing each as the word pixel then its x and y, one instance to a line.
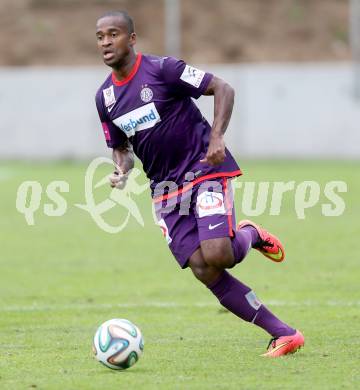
pixel 281 110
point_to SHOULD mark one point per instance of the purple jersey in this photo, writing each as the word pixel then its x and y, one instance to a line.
pixel 154 110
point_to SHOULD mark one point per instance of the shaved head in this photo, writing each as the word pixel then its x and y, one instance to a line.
pixel 121 14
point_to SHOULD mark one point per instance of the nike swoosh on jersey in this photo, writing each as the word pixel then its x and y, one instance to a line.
pixel 212 227
pixel 110 108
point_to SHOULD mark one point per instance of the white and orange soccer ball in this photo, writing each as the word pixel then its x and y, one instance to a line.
pixel 118 344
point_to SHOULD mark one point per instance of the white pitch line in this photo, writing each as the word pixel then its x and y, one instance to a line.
pixel 166 305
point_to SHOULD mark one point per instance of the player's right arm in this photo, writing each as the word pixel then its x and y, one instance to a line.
pixel 123 157
pixel 122 154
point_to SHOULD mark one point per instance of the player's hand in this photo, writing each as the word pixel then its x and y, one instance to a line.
pixel 216 152
pixel 118 180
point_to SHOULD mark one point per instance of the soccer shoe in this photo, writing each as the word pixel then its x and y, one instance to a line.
pixel 285 345
pixel 269 245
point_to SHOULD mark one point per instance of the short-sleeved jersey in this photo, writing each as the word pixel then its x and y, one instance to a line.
pixel 154 110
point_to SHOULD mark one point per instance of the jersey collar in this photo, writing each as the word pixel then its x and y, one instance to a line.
pixel 130 75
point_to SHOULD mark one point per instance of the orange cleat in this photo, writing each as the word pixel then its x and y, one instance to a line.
pixel 285 345
pixel 270 246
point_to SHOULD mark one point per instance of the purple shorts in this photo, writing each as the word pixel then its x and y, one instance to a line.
pixel 204 212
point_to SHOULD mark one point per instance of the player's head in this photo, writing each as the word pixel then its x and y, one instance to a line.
pixel 115 37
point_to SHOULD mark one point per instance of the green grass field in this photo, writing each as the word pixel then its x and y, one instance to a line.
pixel 62 277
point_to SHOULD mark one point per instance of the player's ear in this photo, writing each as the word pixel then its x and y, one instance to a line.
pixel 132 39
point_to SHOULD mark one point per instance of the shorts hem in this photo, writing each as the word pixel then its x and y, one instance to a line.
pixel 222 234
pixel 183 261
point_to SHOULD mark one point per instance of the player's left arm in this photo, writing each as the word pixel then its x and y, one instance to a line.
pixel 223 105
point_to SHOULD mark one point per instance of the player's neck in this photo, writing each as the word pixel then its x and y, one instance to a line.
pixel 122 70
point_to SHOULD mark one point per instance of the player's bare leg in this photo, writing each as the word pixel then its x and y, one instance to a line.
pixel 218 252
pixel 207 274
pixel 208 265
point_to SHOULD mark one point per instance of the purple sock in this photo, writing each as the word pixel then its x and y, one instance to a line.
pixel 243 241
pixel 242 301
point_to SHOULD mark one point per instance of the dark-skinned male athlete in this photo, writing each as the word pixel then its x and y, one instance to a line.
pixel 145 107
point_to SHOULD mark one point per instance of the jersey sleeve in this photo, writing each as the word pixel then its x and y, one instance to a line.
pixel 184 79
pixel 114 137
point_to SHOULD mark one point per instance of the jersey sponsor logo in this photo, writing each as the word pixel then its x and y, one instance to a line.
pixel 212 227
pixel 210 203
pixel 109 96
pixel 192 76
pixel 146 95
pixel 139 119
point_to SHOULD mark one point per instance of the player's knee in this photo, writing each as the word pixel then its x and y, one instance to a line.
pixel 202 274
pixel 218 252
pixel 201 270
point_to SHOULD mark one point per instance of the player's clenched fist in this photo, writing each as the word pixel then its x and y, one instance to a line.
pixel 118 180
pixel 123 158
pixel 216 152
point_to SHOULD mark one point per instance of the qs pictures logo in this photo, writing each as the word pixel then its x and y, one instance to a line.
pixel 121 198
pixel 30 195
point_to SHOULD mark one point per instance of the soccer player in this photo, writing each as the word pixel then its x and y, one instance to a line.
pixel 145 107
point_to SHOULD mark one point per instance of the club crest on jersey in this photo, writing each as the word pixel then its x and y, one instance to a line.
pixel 210 203
pixel 142 118
pixel 109 96
pixel 146 95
